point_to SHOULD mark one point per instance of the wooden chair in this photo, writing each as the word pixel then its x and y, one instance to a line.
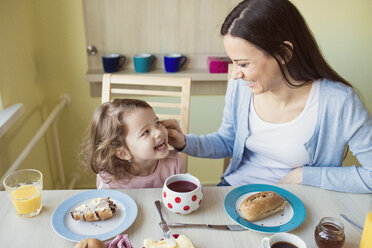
pixel 172 96
pixel 226 161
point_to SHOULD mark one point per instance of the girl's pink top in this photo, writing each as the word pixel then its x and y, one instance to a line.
pixel 168 166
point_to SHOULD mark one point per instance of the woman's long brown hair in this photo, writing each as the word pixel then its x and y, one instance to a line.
pixel 268 24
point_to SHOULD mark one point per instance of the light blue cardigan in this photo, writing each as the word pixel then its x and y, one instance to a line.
pixel 342 119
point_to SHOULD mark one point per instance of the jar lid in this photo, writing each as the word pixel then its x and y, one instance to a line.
pixel 331 225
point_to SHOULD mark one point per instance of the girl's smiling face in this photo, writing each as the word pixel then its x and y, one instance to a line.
pixel 147 139
pixel 260 71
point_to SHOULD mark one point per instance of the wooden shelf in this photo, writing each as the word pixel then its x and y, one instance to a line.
pixel 195 74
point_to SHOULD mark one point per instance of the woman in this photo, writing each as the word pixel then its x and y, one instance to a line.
pixel 288 115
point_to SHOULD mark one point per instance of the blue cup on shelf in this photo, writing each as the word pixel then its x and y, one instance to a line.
pixel 143 62
pixel 174 61
pixel 113 62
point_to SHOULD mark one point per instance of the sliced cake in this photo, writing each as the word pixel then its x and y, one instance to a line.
pixel 97 209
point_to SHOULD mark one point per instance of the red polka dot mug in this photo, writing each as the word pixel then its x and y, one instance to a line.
pixel 182 193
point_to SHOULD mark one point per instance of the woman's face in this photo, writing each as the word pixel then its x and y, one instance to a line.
pixel 260 71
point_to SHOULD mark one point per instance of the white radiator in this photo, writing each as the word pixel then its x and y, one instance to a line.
pixel 51 120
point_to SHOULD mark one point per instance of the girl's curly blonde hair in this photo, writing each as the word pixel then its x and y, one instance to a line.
pixel 107 133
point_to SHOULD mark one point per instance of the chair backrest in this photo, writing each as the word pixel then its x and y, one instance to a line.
pixel 173 91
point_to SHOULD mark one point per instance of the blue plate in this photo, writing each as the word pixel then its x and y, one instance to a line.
pixel 290 218
pixel 73 230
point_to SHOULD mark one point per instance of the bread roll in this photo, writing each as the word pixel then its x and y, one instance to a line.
pixel 90 243
pixel 261 205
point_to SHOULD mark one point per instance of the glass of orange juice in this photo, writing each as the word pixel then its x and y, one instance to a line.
pixel 366 241
pixel 24 190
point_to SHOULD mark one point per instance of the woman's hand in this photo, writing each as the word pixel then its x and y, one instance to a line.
pixel 293 177
pixel 175 134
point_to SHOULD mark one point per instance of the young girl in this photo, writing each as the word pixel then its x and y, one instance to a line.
pixel 128 147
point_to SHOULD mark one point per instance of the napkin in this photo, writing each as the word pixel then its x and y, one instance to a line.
pixel 120 241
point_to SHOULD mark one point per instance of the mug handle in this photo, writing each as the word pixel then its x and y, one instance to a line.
pixel 122 61
pixel 265 242
pixel 184 61
pixel 152 60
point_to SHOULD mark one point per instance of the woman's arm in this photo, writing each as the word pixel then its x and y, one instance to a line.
pixel 293 177
pixel 356 125
pixel 218 144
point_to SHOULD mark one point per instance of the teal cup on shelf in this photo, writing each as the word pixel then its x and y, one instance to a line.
pixel 143 62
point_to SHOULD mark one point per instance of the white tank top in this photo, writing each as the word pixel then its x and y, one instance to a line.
pixel 272 150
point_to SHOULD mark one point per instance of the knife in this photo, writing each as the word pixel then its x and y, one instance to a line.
pixel 220 227
pixel 352 222
pixel 163 225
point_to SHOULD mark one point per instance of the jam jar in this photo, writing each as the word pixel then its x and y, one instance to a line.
pixel 329 233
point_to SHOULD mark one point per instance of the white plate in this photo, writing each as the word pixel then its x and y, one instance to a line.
pixel 73 230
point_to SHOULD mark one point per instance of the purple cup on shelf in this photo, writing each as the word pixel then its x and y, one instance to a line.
pixel 174 61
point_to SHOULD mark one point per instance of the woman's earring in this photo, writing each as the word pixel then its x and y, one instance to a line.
pixel 129 161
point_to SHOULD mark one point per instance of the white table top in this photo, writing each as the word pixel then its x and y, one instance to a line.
pixel 38 232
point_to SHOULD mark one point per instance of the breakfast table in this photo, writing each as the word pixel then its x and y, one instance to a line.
pixel 38 232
